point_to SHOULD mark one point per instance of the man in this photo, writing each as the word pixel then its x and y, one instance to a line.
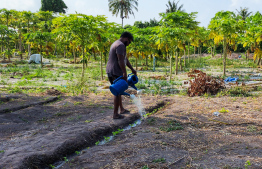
pixel 116 66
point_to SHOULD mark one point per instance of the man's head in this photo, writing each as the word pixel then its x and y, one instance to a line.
pixel 126 38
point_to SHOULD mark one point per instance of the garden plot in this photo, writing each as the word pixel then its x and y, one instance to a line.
pixel 185 133
pixel 56 130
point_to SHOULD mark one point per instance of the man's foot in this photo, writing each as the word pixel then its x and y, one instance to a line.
pixel 125 112
pixel 119 116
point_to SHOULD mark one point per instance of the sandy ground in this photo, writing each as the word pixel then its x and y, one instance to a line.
pixel 181 132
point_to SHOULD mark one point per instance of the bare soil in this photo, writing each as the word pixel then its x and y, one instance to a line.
pixel 181 132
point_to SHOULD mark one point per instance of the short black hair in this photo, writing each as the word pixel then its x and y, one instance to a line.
pixel 127 35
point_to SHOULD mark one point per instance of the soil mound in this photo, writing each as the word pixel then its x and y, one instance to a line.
pixel 53 92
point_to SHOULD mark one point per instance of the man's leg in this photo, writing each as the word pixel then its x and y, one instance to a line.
pixel 116 106
pixel 122 109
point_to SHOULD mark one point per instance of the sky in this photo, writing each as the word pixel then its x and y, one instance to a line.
pixel 147 9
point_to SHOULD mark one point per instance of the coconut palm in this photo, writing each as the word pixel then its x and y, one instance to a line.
pixel 243 12
pixel 124 7
pixel 173 7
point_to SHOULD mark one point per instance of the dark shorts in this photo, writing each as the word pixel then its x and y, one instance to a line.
pixel 111 77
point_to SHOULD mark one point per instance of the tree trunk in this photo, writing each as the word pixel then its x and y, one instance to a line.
pixel 194 52
pixel 146 61
pixel 211 51
pixel 188 52
pixel 29 51
pixel 198 52
pixel 41 55
pixel 83 66
pixel 74 53
pixel 184 58
pixel 176 62
pixel 180 61
pixel 136 63
pixel 214 51
pixel 65 52
pixel 170 57
pixel 101 66
pixel 154 63
pixel 20 45
pixel 225 56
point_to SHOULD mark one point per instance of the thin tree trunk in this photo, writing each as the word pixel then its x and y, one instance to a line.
pixel 74 53
pixel 194 52
pixel 225 56
pixel 136 63
pixel 198 52
pixel 146 61
pixel 83 66
pixel 214 51
pixel 176 62
pixel 41 55
pixel 180 61
pixel 101 66
pixel 154 63
pixel 20 45
pixel 170 57
pixel 65 52
pixel 211 51
pixel 184 58
pixel 259 60
pixel 29 51
pixel 188 52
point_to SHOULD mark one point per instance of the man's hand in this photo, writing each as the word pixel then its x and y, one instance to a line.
pixel 134 72
pixel 125 76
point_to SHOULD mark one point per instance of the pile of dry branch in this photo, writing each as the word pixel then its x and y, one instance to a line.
pixel 203 83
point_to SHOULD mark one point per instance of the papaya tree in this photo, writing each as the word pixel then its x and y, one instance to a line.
pixel 253 35
pixel 225 27
pixel 82 27
pixel 174 28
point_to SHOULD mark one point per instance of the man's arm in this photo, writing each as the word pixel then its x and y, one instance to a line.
pixel 130 66
pixel 121 62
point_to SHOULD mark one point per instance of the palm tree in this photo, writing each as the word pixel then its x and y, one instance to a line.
pixel 173 7
pixel 243 12
pixel 124 7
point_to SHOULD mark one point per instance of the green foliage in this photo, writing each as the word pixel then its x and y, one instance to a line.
pixel 160 160
pixel 223 110
pixel 53 5
pixel 117 132
pixel 247 164
pixel 171 126
pixel 235 92
pixel 106 138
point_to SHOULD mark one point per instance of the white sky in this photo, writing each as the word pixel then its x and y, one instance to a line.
pixel 147 9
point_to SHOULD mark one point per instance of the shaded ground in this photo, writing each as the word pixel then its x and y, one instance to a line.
pixel 184 133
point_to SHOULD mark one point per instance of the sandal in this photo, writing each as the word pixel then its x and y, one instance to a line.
pixel 125 112
pixel 119 117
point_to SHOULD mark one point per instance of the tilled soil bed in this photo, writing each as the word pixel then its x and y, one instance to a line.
pixel 180 132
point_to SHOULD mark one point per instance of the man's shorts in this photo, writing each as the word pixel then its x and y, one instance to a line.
pixel 111 77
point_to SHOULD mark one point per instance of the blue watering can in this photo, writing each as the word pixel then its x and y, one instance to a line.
pixel 120 85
